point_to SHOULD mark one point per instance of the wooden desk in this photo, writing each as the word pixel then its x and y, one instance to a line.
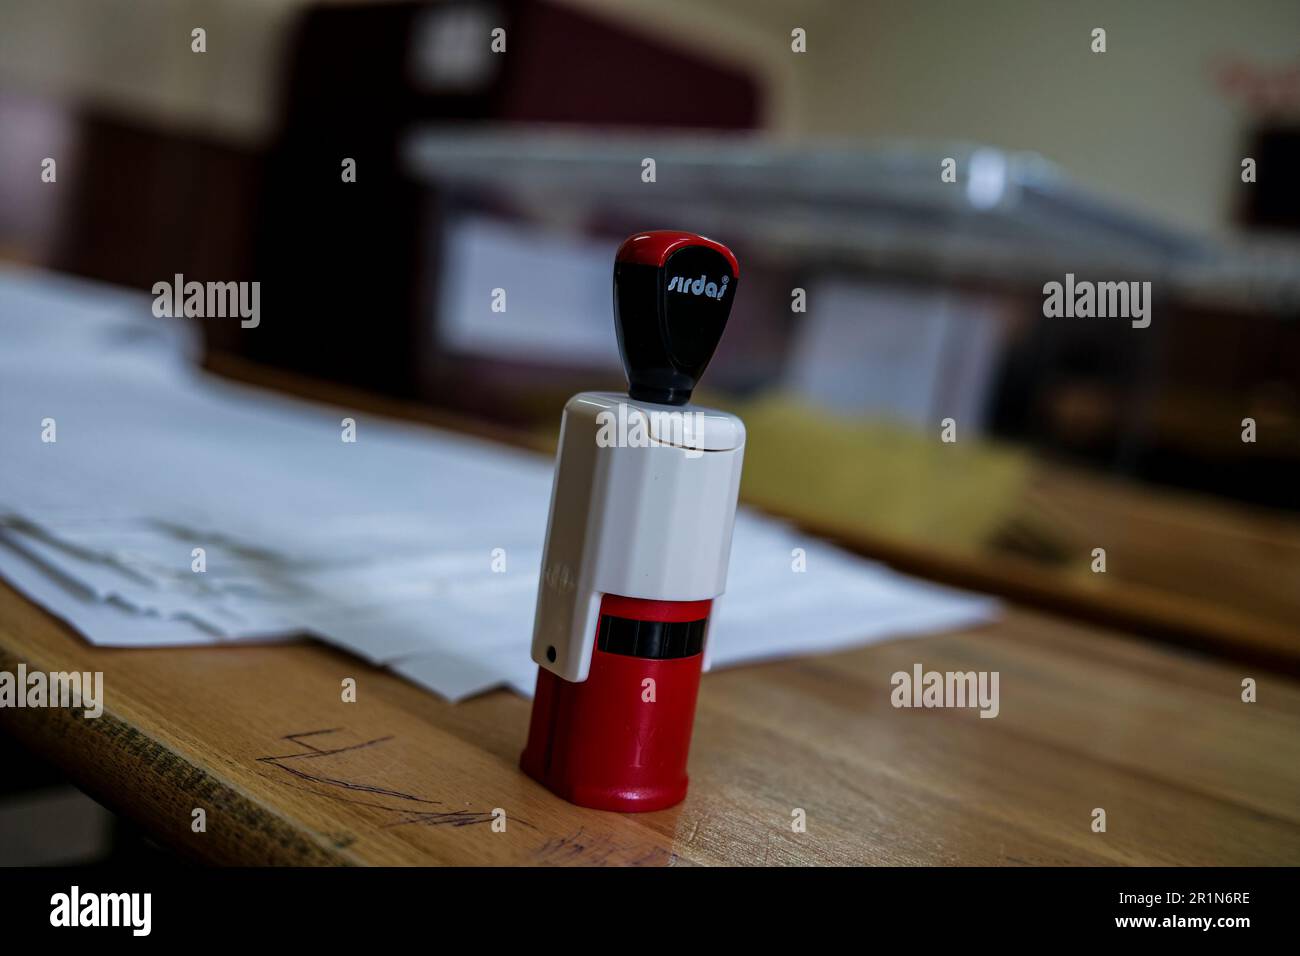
pixel 1197 574
pixel 288 773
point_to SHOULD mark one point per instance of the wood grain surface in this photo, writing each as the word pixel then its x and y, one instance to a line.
pixel 288 773
pixel 1155 734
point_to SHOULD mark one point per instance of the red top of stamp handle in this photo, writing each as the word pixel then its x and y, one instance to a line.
pixel 653 248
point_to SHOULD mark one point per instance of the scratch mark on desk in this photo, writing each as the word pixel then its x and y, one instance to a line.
pixel 594 851
pixel 566 847
pixel 454 818
pixel 313 752
pixel 297 738
pixel 702 819
pixel 409 815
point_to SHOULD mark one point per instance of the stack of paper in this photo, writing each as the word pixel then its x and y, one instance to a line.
pixel 147 504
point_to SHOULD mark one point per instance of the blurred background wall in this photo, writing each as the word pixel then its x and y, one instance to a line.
pixel 1173 73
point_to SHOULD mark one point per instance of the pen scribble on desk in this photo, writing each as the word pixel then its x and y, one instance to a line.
pixel 315 752
pixel 406 814
pixel 596 850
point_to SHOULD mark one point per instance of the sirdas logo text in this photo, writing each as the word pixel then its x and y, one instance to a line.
pixel 630 427
pixel 701 286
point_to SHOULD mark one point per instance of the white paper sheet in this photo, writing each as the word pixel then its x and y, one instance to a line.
pixel 383 547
